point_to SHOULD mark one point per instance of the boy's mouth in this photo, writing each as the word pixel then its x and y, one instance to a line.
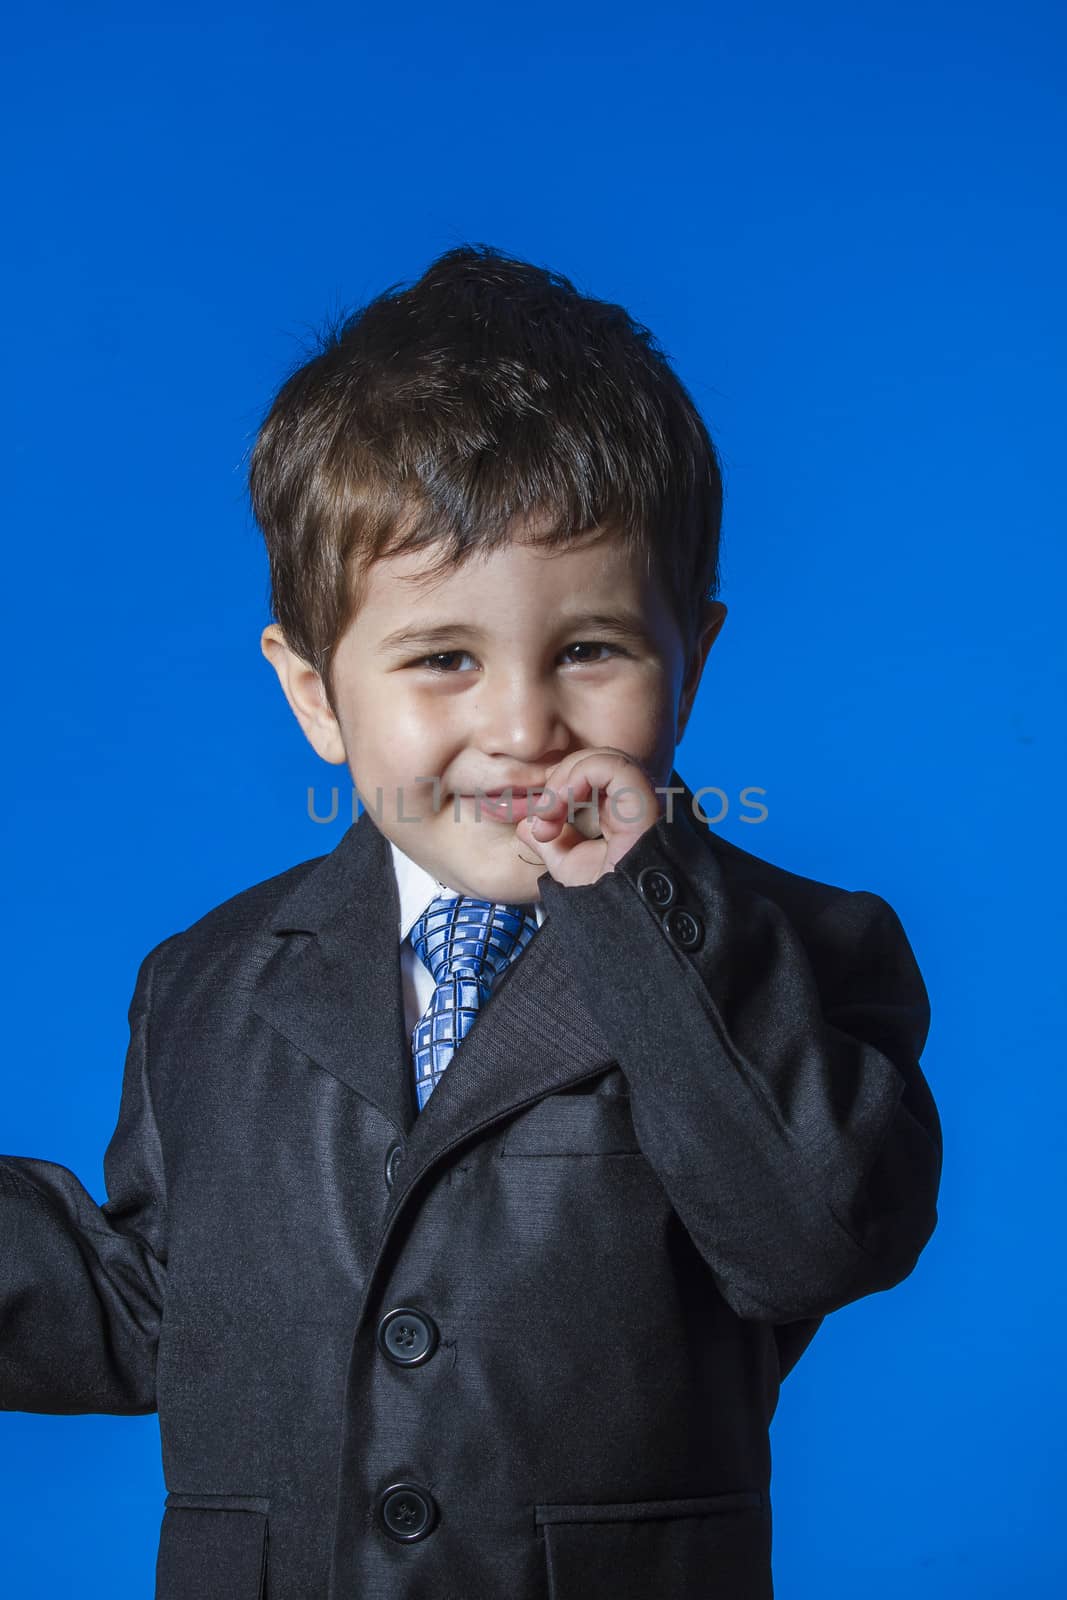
pixel 502 804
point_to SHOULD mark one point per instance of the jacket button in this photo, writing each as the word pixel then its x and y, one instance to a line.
pixel 656 886
pixel 407 1336
pixel 684 928
pixel 407 1512
pixel 392 1156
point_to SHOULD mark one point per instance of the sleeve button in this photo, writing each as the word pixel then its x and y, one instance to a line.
pixel 656 887
pixel 684 928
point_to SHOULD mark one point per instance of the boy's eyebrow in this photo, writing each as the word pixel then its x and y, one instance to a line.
pixel 624 624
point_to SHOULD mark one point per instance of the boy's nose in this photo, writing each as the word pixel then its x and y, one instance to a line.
pixel 521 721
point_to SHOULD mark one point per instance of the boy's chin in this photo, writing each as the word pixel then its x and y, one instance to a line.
pixel 505 873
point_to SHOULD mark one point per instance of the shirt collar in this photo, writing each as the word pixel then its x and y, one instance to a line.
pixel 417 887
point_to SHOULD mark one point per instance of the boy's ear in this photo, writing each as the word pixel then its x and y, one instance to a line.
pixel 304 690
pixel 714 617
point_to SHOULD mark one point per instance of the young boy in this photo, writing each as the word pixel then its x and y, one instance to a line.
pixel 476 1184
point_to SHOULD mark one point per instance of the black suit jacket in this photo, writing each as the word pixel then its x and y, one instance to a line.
pixel 526 1344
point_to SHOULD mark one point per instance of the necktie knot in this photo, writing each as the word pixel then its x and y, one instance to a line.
pixel 457 936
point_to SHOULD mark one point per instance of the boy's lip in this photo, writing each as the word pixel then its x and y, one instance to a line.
pixel 500 804
pixel 518 791
pixel 516 788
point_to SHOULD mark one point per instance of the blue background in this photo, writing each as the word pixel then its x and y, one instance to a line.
pixel 845 224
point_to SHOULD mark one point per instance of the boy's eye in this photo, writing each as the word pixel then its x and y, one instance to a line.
pixel 438 662
pixel 594 644
pixel 431 663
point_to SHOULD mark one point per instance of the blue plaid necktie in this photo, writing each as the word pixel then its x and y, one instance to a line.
pixel 465 943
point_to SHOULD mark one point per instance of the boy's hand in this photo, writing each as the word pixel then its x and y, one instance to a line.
pixel 609 795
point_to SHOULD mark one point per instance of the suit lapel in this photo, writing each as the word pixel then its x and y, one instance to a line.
pixel 328 980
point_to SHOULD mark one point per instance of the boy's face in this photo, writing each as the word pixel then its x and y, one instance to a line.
pixel 515 676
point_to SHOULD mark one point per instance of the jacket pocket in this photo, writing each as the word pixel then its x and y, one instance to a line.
pixel 573 1125
pixel 213 1547
pixel 712 1547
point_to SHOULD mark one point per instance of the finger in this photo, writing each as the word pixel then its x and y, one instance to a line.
pixel 555 852
pixel 625 797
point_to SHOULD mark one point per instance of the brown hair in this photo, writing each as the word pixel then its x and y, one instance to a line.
pixel 488 390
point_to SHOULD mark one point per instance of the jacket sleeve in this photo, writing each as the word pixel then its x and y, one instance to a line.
pixel 81 1284
pixel 775 1084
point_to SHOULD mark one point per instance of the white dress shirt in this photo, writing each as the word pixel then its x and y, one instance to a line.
pixel 417 888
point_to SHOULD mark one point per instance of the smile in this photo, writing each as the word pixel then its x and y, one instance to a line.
pixel 500 807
